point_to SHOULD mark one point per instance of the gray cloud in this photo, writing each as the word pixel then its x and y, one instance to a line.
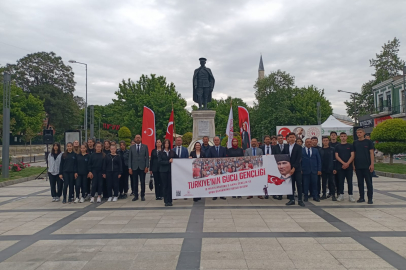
pixel 324 43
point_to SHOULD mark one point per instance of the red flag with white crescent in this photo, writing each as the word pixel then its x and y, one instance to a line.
pixel 169 129
pixel 245 127
pixel 148 128
pixel 275 180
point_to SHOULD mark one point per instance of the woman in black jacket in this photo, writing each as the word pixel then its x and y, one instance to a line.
pixel 67 171
pixel 82 174
pixel 96 172
pixel 165 159
pixel 235 151
pixel 112 168
pixel 154 167
pixel 197 153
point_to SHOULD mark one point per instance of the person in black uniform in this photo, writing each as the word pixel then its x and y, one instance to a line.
pixel 123 186
pixel 82 174
pixel 333 144
pixel 328 169
pixel 315 144
pixel 364 165
pixel 344 155
pixel 90 150
pixel 197 153
pixel 112 168
pixel 235 151
pixel 96 172
pixel 106 151
pixel 67 171
pixel 154 168
pixel 165 159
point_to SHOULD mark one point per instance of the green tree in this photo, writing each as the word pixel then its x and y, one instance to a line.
pixel 387 65
pixel 187 138
pixel 155 93
pixel 124 134
pixel 391 137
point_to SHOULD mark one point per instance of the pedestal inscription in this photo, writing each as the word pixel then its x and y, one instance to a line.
pixel 203 128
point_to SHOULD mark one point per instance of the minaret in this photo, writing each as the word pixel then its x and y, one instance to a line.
pixel 261 69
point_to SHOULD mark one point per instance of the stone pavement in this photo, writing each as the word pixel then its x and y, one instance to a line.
pixel 36 233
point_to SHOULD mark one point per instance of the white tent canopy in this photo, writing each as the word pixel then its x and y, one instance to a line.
pixel 332 124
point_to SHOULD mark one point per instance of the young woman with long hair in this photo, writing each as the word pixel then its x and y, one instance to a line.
pixel 165 159
pixel 106 148
pixel 197 153
pixel 154 167
pixel 54 162
pixel 67 171
pixel 96 172
pixel 235 151
pixel 76 147
pixel 90 146
pixel 112 168
pixel 82 175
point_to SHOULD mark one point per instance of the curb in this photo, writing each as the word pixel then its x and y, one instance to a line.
pixel 17 181
pixel 391 175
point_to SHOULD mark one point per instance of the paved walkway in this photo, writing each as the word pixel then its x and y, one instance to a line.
pixel 36 233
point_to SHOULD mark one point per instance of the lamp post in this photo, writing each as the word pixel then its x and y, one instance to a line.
pixel 404 90
pixel 355 104
pixel 85 120
pixel 6 124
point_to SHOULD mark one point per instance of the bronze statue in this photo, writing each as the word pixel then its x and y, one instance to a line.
pixel 203 84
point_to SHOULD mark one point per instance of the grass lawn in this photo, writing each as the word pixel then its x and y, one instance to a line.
pixel 23 173
pixel 394 168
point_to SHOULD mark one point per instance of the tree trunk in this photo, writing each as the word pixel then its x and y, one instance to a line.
pixel 390 158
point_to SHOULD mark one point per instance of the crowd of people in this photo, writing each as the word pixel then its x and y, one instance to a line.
pixel 317 172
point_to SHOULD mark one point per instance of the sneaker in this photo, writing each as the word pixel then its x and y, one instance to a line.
pixel 115 199
pixel 351 198
pixel 57 199
pixel 82 200
pixel 98 200
pixel 370 202
pixel 76 200
pixel 361 200
pixel 91 200
pixel 109 199
pixel 54 199
pixel 340 198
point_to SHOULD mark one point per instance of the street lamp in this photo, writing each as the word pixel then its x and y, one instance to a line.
pixel 85 120
pixel 355 104
pixel 404 90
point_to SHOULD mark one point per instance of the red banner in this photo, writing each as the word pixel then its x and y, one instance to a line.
pixel 245 130
pixel 113 127
pixel 148 128
pixel 381 119
pixel 169 129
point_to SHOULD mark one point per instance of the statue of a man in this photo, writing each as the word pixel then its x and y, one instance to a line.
pixel 203 84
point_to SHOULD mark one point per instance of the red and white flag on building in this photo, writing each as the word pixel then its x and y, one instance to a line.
pixel 229 130
pixel 148 128
pixel 245 127
pixel 169 129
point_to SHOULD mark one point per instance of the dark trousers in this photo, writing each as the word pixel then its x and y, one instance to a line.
pixel 97 184
pixel 141 174
pixel 56 184
pixel 328 179
pixel 342 175
pixel 158 185
pixel 318 185
pixel 166 179
pixel 364 174
pixel 132 182
pixel 310 180
pixel 337 183
pixel 112 181
pixel 105 193
pixel 123 183
pixel 81 184
pixel 296 180
pixel 88 186
pixel 68 181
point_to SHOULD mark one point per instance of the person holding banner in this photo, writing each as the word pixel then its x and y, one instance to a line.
pixel 154 168
pixel 235 151
pixel 197 153
pixel 253 151
pixel 138 163
pixel 217 151
pixel 165 159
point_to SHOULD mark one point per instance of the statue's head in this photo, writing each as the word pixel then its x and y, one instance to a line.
pixel 202 61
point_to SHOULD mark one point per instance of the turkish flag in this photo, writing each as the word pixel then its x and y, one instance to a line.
pixel 275 180
pixel 148 128
pixel 169 129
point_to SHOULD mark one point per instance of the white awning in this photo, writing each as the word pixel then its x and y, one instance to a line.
pixel 332 124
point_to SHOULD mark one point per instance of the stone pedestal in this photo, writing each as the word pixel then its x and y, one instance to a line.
pixel 203 124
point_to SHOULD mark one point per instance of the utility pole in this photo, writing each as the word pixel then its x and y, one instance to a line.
pixel 318 114
pixel 92 121
pixel 6 124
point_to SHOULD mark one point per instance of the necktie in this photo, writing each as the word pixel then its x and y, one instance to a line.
pixel 253 151
pixel 217 150
pixel 280 146
pixel 138 148
pixel 178 151
pixel 267 150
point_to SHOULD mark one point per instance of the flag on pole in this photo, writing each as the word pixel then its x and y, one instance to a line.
pixel 229 130
pixel 169 129
pixel 148 128
pixel 245 130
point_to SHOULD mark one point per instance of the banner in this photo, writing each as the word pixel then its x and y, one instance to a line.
pixel 169 129
pixel 148 128
pixel 229 129
pixel 231 176
pixel 302 132
pixel 245 127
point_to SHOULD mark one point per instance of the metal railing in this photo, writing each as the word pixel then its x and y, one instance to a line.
pixel 391 110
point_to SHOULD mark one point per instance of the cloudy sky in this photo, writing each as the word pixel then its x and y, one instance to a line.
pixel 324 43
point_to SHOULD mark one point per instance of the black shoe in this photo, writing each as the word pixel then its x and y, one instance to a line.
pixel 157 198
pixel 239 197
pixel 266 197
pixel 195 199
pixel 328 196
pixel 291 202
pixel 334 198
pixel 64 200
pixel 135 199
pixel 306 199
pixel 214 198
pixel 170 204
pixel 166 204
pixel 234 197
pixel 370 202
pixel 301 203
pixel 223 198
pixel 143 199
pixel 280 197
pixel 316 200
pixel 360 200
pixel 132 194
pixel 160 198
pixel 125 196
pixel 275 197
pixel 69 200
pixel 323 197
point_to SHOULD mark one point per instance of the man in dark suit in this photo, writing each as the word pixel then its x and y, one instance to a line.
pixel 280 146
pixel 180 150
pixel 315 144
pixel 251 152
pixel 138 163
pixel 267 147
pixel 217 151
pixel 311 168
pixel 295 153
pixel 205 145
